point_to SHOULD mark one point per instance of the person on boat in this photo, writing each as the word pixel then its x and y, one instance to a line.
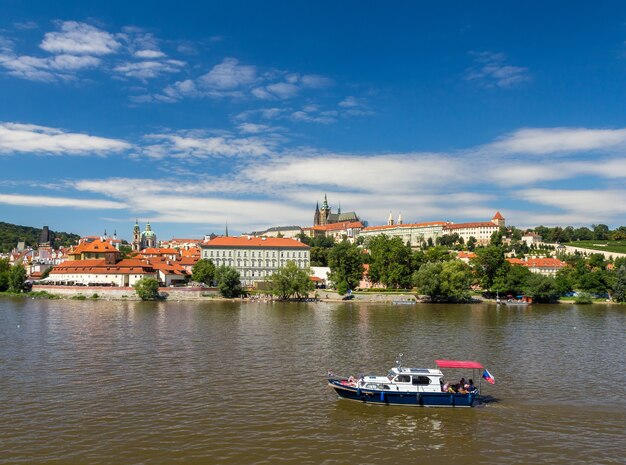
pixel 471 388
pixel 445 387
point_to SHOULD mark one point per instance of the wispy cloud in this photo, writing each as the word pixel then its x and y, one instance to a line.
pixel 29 138
pixel 199 145
pixel 25 25
pixel 149 69
pixel 232 79
pixel 491 70
pixel 65 202
pixel 75 47
pixel 542 141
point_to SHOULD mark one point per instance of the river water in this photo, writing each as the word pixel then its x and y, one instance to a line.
pixel 102 382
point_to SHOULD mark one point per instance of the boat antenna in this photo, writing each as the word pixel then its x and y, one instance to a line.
pixel 399 361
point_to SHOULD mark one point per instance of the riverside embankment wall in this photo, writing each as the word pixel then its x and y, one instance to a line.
pixel 127 293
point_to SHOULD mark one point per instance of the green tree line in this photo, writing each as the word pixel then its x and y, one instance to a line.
pixel 11 234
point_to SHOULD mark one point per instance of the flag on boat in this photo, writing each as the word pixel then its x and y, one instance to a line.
pixel 489 377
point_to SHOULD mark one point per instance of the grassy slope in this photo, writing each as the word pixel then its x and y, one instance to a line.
pixel 606 246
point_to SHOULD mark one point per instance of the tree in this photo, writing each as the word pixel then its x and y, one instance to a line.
pixel 511 279
pixel 437 254
pixel 390 261
pixel 487 262
pixel 147 289
pixel 203 272
pixel 471 243
pixel 319 256
pixel 619 286
pixel 291 281
pixel 346 266
pixel 444 281
pixel 542 288
pixel 594 282
pixel 228 281
pixel 600 232
pixel 5 266
pixel 17 278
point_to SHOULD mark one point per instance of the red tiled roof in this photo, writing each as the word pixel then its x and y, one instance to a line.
pixel 480 224
pixel 249 241
pixel 466 255
pixel 96 246
pixel 80 263
pixel 158 251
pixel 408 225
pixel 193 251
pixel 497 216
pixel 538 262
pixel 337 226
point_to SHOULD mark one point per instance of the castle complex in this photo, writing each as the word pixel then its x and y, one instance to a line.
pixel 324 215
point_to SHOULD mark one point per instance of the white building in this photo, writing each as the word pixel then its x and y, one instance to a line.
pixel 256 258
pixel 98 272
pixel 414 233
pixel 546 266
pixel 481 231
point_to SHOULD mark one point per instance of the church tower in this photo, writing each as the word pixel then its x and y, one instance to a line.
pixel 325 212
pixel 498 220
pixel 136 245
pixel 316 216
pixel 390 220
pixel 148 238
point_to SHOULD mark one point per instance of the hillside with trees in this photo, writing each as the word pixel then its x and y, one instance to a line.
pixel 11 234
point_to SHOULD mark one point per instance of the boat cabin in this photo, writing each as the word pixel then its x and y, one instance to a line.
pixel 405 379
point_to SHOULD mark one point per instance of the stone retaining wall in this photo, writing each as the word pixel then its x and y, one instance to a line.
pixel 127 293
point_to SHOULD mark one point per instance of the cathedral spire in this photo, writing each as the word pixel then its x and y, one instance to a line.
pixel 226 230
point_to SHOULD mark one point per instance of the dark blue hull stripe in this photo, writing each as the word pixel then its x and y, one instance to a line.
pixel 418 399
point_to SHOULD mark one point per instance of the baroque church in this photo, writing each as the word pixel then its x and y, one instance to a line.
pixel 145 239
pixel 324 215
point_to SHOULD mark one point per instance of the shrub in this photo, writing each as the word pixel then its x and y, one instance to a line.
pixel 583 298
pixel 147 289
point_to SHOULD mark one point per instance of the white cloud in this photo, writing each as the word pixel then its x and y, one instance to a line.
pixel 59 67
pixel 80 39
pixel 46 201
pixel 541 141
pixel 150 54
pixel 591 204
pixel 144 70
pixel 490 70
pixel 29 138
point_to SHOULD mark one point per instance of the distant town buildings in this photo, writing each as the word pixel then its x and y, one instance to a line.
pixel 279 231
pixel 414 234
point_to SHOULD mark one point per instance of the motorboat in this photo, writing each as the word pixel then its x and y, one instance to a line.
pixel 420 387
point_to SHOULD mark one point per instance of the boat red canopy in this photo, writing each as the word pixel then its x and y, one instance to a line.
pixel 458 364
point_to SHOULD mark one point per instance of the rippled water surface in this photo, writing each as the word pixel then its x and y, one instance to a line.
pixel 229 383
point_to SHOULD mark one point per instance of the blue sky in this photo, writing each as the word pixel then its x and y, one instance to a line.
pixel 249 112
